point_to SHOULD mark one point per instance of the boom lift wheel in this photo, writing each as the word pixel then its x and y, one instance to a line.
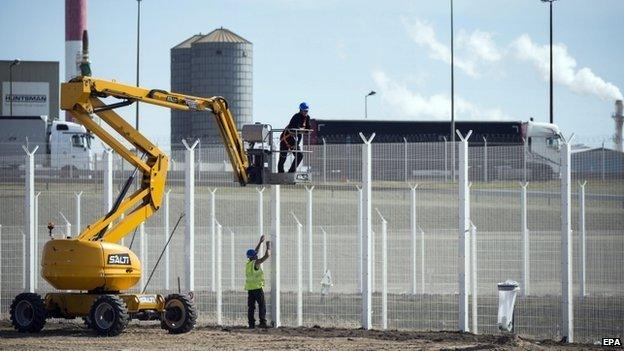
pixel 179 315
pixel 109 315
pixel 28 313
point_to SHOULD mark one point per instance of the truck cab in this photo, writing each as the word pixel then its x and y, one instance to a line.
pixel 70 147
pixel 543 142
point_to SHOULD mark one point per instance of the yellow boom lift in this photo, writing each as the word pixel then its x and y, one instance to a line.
pixel 92 269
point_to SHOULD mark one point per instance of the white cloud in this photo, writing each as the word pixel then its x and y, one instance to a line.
pixel 565 72
pixel 480 45
pixel 471 48
pixel 412 104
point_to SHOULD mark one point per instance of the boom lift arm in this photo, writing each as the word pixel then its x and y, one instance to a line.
pixel 81 97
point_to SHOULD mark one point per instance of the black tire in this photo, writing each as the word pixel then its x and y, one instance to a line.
pixel 109 315
pixel 180 314
pixel 28 313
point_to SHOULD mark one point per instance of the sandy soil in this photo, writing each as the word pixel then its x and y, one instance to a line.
pixel 73 336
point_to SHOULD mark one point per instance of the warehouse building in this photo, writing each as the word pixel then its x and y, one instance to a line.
pixel 35 87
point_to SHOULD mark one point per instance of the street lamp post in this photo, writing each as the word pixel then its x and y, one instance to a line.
pixel 366 103
pixel 137 59
pixel 551 58
pixel 452 136
pixel 14 63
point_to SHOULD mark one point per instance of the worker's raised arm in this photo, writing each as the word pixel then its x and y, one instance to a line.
pixel 260 243
pixel 266 256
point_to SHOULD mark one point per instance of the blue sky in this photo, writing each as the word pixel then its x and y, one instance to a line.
pixel 331 53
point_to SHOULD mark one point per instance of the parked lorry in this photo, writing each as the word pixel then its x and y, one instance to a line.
pixel 65 146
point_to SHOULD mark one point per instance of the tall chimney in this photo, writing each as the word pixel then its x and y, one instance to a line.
pixel 75 25
pixel 619 120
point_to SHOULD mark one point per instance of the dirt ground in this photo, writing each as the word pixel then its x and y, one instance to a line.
pixel 73 336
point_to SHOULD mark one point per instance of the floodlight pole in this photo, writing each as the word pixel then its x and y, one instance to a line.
pixel 372 92
pixel 452 100
pixel 550 3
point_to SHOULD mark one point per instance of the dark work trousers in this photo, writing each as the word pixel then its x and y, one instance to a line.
pixel 286 145
pixel 254 296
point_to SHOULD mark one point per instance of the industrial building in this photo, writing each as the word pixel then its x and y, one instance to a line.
pixel 35 86
pixel 598 163
pixel 215 64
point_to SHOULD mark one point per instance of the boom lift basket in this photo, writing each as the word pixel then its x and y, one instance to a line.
pixel 262 143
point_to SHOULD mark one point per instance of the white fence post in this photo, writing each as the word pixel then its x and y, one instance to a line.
pixel 36 237
pixel 464 232
pixel 275 262
pixel 445 159
pixel 373 261
pixel 367 306
pixel 260 191
pixel 485 160
pixel 219 274
pixel 524 161
pixel 566 244
pixel 107 196
pixel 29 220
pixel 526 267
pixel 25 260
pixel 324 161
pixel 384 271
pixel 324 250
pixel 414 229
pixel 232 262
pixel 360 235
pixel 582 270
pixel 166 232
pixel 473 277
pixel 310 244
pixel 77 222
pixel 213 228
pixel 144 256
pixel 422 260
pixel 189 209
pixel 405 175
pixel 299 271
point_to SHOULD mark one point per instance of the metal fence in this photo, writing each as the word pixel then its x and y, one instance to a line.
pixel 422 266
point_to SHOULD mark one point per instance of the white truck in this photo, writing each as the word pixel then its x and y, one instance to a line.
pixel 63 146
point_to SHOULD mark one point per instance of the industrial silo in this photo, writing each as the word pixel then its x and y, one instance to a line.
pixel 216 64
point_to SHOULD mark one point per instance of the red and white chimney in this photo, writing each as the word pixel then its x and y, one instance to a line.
pixel 75 25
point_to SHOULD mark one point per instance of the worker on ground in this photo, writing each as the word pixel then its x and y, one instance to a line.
pixel 254 282
pixel 290 139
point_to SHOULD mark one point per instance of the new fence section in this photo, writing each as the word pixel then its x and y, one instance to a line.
pixel 399 236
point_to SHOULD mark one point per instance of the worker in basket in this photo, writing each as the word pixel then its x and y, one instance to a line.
pixel 290 139
pixel 254 282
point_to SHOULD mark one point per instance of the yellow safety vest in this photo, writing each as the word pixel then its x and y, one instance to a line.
pixel 254 278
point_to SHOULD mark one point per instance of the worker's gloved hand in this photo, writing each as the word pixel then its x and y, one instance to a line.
pixel 268 245
pixel 262 238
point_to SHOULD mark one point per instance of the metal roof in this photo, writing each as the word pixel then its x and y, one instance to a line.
pixel 219 35
pixel 187 43
pixel 222 35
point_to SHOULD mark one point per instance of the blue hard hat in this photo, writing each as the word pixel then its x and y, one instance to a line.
pixel 303 106
pixel 251 253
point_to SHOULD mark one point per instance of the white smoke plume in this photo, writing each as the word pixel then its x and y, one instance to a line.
pixel 408 103
pixel 471 48
pixel 477 48
pixel 565 72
